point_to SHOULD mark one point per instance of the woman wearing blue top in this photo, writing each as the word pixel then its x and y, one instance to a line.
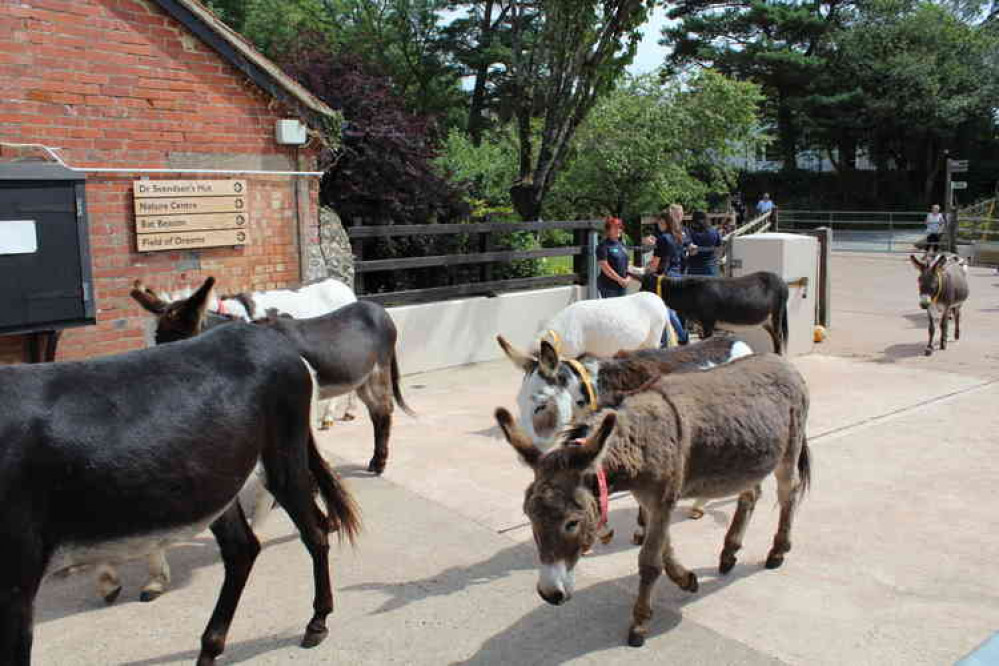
pixel 669 255
pixel 612 257
pixel 704 240
pixel 668 258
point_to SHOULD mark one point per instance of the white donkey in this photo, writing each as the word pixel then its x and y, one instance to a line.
pixel 314 299
pixel 606 326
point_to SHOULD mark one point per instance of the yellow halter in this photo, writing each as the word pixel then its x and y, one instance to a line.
pixel 940 276
pixel 584 377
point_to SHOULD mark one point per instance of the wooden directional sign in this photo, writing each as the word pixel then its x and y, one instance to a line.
pixel 187 240
pixel 190 214
pixel 147 189
pixel 957 166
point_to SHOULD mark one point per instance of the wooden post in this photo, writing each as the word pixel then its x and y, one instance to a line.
pixel 357 249
pixel 591 264
pixel 825 279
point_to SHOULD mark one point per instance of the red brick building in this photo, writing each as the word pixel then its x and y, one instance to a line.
pixel 157 84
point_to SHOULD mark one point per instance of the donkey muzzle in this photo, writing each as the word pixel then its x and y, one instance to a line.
pixel 924 302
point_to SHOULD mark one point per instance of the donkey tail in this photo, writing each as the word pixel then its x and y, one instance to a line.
pixel 396 391
pixel 804 468
pixel 344 516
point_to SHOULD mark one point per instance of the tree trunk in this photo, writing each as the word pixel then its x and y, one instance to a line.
pixel 476 123
pixel 787 137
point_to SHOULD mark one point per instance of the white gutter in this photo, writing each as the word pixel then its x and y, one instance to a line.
pixel 249 172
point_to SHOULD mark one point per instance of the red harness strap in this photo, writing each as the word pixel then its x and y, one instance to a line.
pixel 603 496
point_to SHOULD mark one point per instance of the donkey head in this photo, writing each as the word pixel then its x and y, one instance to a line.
pixel 931 278
pixel 551 394
pixel 561 502
pixel 177 320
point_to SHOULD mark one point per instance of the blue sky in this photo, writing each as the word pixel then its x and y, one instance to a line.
pixel 650 55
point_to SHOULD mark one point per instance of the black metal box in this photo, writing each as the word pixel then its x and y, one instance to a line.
pixel 46 278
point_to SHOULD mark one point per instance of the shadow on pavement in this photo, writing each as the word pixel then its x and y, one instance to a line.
pixel 900 351
pixel 60 597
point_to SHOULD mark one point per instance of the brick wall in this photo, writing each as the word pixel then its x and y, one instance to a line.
pixel 118 83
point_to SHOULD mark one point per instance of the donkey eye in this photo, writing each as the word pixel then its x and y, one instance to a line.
pixel 580 403
pixel 572 526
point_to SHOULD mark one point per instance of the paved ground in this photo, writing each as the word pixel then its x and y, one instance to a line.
pixel 894 548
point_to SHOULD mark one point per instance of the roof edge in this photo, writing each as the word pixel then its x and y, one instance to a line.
pixel 237 51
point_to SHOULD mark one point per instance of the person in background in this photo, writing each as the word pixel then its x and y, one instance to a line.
pixel 612 258
pixel 739 208
pixel 764 205
pixel 668 258
pixel 934 227
pixel 704 243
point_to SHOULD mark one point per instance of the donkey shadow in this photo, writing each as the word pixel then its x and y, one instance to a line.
pixel 65 595
pixel 896 353
pixel 235 652
pixel 519 557
pixel 551 635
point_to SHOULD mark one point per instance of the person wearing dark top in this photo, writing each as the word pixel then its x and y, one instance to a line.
pixel 612 258
pixel 668 257
pixel 704 241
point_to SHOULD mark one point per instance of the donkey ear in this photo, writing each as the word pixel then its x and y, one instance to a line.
pixel 939 261
pixel 521 443
pixel 593 448
pixel 920 266
pixel 548 360
pixel 519 358
pixel 147 298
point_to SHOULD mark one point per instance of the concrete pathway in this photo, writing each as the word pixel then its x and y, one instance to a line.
pixel 893 548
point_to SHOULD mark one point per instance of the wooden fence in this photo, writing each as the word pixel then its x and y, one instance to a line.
pixel 582 249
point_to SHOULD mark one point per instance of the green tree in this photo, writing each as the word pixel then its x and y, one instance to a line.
pixel 565 54
pixel 906 81
pixel 779 44
pixel 649 143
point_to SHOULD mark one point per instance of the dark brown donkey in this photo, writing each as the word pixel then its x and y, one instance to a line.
pixel 943 288
pixel 351 348
pixel 750 300
pixel 701 434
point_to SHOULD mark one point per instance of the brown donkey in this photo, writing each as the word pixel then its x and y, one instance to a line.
pixel 707 434
pixel 943 289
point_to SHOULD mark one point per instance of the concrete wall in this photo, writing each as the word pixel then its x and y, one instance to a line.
pixel 439 335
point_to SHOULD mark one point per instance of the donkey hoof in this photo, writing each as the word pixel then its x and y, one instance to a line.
pixel 690 584
pixel 638 538
pixel 313 638
pixel 112 596
pixel 928 351
pixel 150 595
pixel 774 560
pixel 607 537
pixel 326 424
pixel 726 563
pixel 376 467
pixel 696 513
pixel 636 638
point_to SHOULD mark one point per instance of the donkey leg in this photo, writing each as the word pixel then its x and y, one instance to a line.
pixel 329 410
pixel 376 394
pixel 297 500
pixel 20 578
pixel 957 323
pixel 929 343
pixel 697 510
pixel 736 531
pixel 239 548
pixel 159 576
pixel 788 483
pixel 944 325
pixel 108 584
pixel 639 536
pixel 649 570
